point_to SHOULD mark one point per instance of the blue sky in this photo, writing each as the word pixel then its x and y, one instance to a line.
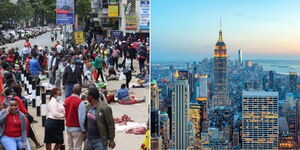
pixel 188 29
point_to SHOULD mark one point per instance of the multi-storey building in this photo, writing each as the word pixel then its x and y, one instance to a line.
pixel 260 120
pixel 220 93
pixel 180 109
pixel 293 82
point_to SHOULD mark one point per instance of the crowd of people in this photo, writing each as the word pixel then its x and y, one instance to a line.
pixel 86 117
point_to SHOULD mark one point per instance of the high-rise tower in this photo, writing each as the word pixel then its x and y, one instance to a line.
pixel 180 110
pixel 220 94
pixel 260 120
pixel 240 59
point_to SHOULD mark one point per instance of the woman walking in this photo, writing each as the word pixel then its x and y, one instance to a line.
pixel 127 70
pixel 54 124
pixel 98 64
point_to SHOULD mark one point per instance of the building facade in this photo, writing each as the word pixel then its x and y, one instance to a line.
pixel 180 116
pixel 260 127
pixel 220 93
pixel 293 82
pixel 127 16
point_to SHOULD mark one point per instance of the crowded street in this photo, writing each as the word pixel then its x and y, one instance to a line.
pixel 130 118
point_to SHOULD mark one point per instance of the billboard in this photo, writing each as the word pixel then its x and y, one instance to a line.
pixel 79 37
pixel 116 34
pixel 145 15
pixel 113 11
pixel 64 11
pixel 131 22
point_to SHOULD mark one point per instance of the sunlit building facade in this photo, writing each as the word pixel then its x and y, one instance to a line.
pixel 260 120
pixel 195 118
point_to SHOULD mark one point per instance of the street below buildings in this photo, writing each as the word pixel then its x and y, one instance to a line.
pixel 137 112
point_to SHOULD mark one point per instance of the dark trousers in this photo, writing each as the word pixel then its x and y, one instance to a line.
pixel 100 73
pixel 132 64
pixel 115 62
pixel 141 64
pixel 128 78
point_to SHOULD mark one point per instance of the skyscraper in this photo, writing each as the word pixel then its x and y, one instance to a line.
pixel 293 82
pixel 240 59
pixel 203 86
pixel 180 116
pixel 271 80
pixel 220 94
pixel 260 120
pixel 298 122
pixel 195 118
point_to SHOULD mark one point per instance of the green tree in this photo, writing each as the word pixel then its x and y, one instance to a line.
pixel 23 11
pixel 82 9
pixel 6 11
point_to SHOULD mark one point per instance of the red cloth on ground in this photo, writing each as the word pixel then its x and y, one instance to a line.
pixel 13 125
pixel 137 130
pixel 129 102
pixel 123 120
pixel 110 98
pixel 71 108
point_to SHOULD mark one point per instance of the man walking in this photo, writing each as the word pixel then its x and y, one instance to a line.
pixel 34 67
pixel 99 122
pixel 75 116
pixel 72 76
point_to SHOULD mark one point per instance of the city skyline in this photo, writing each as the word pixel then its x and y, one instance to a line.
pixel 270 31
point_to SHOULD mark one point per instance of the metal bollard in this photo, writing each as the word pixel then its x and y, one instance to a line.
pixel 43 109
pixel 38 100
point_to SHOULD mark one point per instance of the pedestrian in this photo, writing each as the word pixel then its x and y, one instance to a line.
pixel 59 47
pixel 60 72
pixel 98 64
pixel 27 44
pixel 35 67
pixel 142 54
pixel 54 66
pixel 13 129
pixel 25 52
pixel 71 76
pixel 75 116
pixel 127 70
pixel 17 92
pixel 115 57
pixel 99 122
pixel 55 35
pixel 132 55
pixel 54 124
pixel 52 36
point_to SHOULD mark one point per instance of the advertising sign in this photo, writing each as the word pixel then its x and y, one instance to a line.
pixel 116 34
pixel 113 11
pixel 79 37
pixel 145 15
pixel 131 22
pixel 65 12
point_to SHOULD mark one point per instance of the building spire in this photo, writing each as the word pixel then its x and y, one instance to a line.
pixel 220 32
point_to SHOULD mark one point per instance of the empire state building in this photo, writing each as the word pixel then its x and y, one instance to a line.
pixel 220 93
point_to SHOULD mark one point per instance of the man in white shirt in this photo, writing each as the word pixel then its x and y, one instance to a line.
pixel 25 52
pixel 59 48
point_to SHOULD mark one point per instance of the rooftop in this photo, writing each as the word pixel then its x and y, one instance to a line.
pixel 259 93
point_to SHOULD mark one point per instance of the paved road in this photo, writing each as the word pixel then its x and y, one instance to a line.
pixel 138 112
